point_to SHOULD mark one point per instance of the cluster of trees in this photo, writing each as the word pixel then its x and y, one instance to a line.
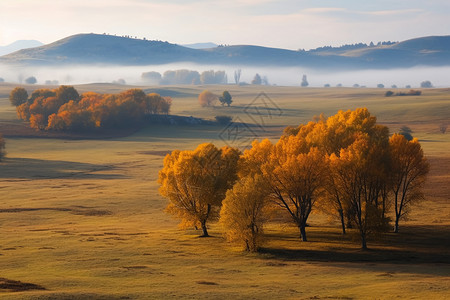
pixel 65 109
pixel 409 93
pixel 346 166
pixel 351 46
pixel 207 98
pixel 184 76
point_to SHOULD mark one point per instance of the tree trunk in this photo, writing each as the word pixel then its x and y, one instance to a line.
pixel 396 225
pixel 204 229
pixel 363 241
pixel 203 222
pixel 341 215
pixel 302 233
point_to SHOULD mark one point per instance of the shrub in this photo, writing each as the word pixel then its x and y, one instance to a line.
pixel 389 94
pixel 223 120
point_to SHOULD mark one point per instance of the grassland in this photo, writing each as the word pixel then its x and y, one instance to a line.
pixel 82 218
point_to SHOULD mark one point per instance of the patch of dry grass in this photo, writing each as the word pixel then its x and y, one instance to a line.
pixel 83 218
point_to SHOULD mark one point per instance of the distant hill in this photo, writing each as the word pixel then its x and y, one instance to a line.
pixel 107 49
pixel 200 45
pixel 18 45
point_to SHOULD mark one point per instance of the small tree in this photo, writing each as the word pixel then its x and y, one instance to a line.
pixel 31 80
pixel 304 81
pixel 426 84
pixel 409 168
pixel 206 98
pixel 18 96
pixel 226 98
pixel 380 86
pixel 389 94
pixel 237 76
pixel 257 79
pixel 242 213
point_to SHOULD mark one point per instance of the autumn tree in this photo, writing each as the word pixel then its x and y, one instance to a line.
pixel 409 168
pixel 361 172
pixel 195 182
pixel 331 135
pixel 2 147
pixel 294 172
pixel 242 214
pixel 206 98
pixel 18 96
pixel 226 98
pixel 66 93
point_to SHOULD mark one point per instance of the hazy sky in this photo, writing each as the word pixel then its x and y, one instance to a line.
pixel 291 24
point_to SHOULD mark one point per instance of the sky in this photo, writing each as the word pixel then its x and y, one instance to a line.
pixel 290 24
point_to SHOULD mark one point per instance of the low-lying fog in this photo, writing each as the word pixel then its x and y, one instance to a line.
pixel 439 76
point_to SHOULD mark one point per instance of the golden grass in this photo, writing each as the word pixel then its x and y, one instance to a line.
pixel 84 220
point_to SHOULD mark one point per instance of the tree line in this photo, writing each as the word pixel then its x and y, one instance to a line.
pixel 184 76
pixel 65 109
pixel 346 166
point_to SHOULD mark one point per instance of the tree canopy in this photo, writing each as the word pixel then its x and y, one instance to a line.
pixel 195 182
pixel 64 109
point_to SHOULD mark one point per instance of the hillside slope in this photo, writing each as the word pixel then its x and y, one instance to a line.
pixel 113 50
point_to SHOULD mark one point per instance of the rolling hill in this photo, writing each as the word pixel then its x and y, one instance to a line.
pixel 18 45
pixel 114 50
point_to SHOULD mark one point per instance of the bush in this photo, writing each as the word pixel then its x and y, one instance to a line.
pixel 223 120
pixel 380 86
pixel 389 94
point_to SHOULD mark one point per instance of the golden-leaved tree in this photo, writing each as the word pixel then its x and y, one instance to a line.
pixel 195 182
pixel 294 172
pixel 242 215
pixel 408 172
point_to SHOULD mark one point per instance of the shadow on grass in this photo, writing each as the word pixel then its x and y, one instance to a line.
pixel 414 244
pixel 27 168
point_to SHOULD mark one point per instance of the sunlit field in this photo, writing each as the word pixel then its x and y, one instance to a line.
pixel 81 218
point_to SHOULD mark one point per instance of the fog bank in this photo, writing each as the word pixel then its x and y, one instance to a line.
pixel 439 76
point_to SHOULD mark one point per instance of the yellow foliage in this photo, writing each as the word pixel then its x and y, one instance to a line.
pixel 242 214
pixel 195 182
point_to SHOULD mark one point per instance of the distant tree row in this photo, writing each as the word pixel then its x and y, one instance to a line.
pixel 346 166
pixel 184 76
pixel 351 46
pixel 64 109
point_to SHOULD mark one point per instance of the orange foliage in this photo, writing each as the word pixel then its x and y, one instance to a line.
pixel 64 109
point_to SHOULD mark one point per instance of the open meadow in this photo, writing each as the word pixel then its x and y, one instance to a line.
pixel 81 218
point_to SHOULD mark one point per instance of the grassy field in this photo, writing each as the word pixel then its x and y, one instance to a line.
pixel 82 218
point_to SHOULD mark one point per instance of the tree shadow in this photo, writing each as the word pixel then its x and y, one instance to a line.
pixel 28 168
pixel 427 244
